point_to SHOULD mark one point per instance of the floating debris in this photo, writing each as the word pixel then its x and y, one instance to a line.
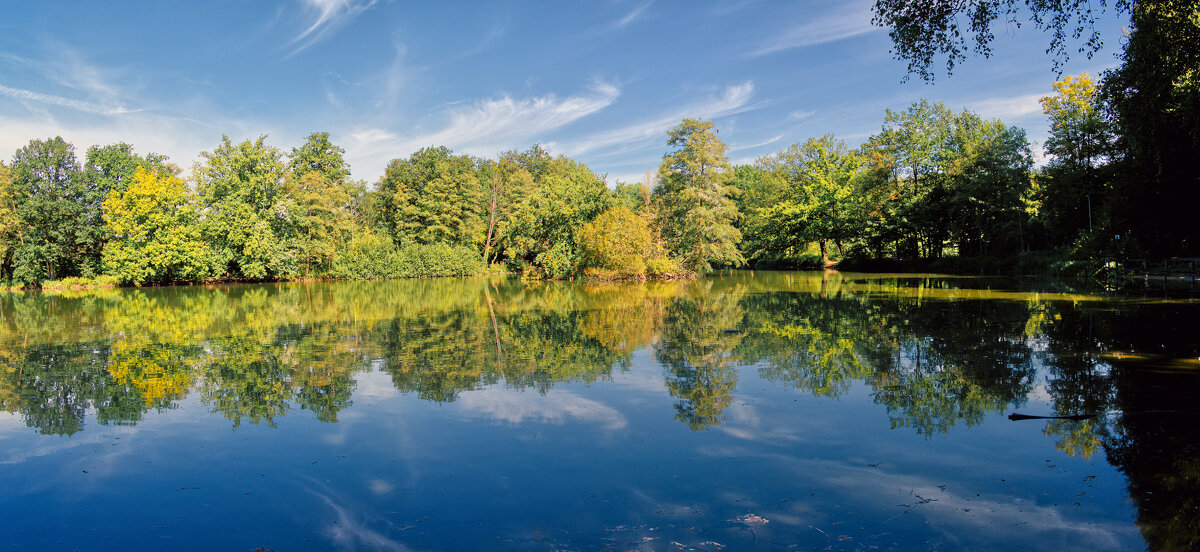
pixel 752 519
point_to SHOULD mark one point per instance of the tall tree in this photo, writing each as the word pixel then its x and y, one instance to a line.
pixel 987 174
pixel 541 233
pixel 318 154
pixel 11 230
pixel 240 185
pixel 915 144
pixel 815 204
pixel 1080 142
pixel 507 182
pixel 107 170
pixel 49 197
pixel 696 213
pixel 1154 96
pixel 318 199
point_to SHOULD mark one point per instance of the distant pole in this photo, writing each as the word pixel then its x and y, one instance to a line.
pixel 1089 213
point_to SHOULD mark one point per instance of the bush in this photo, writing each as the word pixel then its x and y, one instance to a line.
pixel 619 244
pixel 103 281
pixel 371 256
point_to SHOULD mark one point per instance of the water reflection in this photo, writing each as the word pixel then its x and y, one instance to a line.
pixel 935 353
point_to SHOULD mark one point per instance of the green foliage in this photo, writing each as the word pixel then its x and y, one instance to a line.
pixel 989 178
pixel 1080 143
pixel 240 186
pixel 694 208
pixel 507 182
pixel 318 155
pixel 540 235
pixel 49 198
pixel 368 256
pixel 621 244
pixel 318 203
pixel 371 256
pixel 10 222
pixel 1154 97
pixel 155 232
pixel 921 31
pixel 935 178
pixel 433 197
pixel 635 197
pixel 78 282
pixel 107 170
pixel 1125 155
pixel 812 202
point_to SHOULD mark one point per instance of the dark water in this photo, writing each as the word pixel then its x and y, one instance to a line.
pixel 801 411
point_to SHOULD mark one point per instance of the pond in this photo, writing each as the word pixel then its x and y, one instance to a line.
pixel 769 410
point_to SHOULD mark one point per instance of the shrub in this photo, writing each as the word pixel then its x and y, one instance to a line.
pixel 371 256
pixel 620 244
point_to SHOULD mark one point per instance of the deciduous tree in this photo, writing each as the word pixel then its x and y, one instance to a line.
pixel 240 186
pixel 695 209
pixel 155 231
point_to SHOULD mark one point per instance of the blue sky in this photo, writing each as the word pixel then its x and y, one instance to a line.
pixel 598 81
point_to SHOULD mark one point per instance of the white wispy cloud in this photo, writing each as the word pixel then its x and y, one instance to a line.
pixel 327 16
pixel 79 105
pixel 849 20
pixel 89 104
pixel 733 99
pixel 632 15
pixel 1007 108
pixel 766 142
pixel 484 127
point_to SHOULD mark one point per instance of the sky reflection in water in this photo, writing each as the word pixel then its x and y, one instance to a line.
pixel 771 410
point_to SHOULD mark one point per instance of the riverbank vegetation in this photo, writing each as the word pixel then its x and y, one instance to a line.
pixel 934 186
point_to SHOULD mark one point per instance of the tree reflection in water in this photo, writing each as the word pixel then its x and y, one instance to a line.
pixel 936 353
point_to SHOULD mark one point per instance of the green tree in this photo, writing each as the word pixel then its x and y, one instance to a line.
pixel 432 197
pixel 540 235
pixel 49 197
pixel 620 243
pixel 815 203
pixel 695 211
pixel 11 230
pixel 944 178
pixel 318 199
pixel 1080 143
pixel 987 177
pixel 1154 96
pixel 155 231
pixel 107 170
pixel 317 154
pixel 636 197
pixel 240 186
pixel 507 183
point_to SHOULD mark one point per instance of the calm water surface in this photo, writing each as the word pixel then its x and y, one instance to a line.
pixel 776 411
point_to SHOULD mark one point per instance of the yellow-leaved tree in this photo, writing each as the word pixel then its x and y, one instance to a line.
pixel 156 232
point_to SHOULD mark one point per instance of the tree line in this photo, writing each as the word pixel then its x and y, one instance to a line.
pixel 931 183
